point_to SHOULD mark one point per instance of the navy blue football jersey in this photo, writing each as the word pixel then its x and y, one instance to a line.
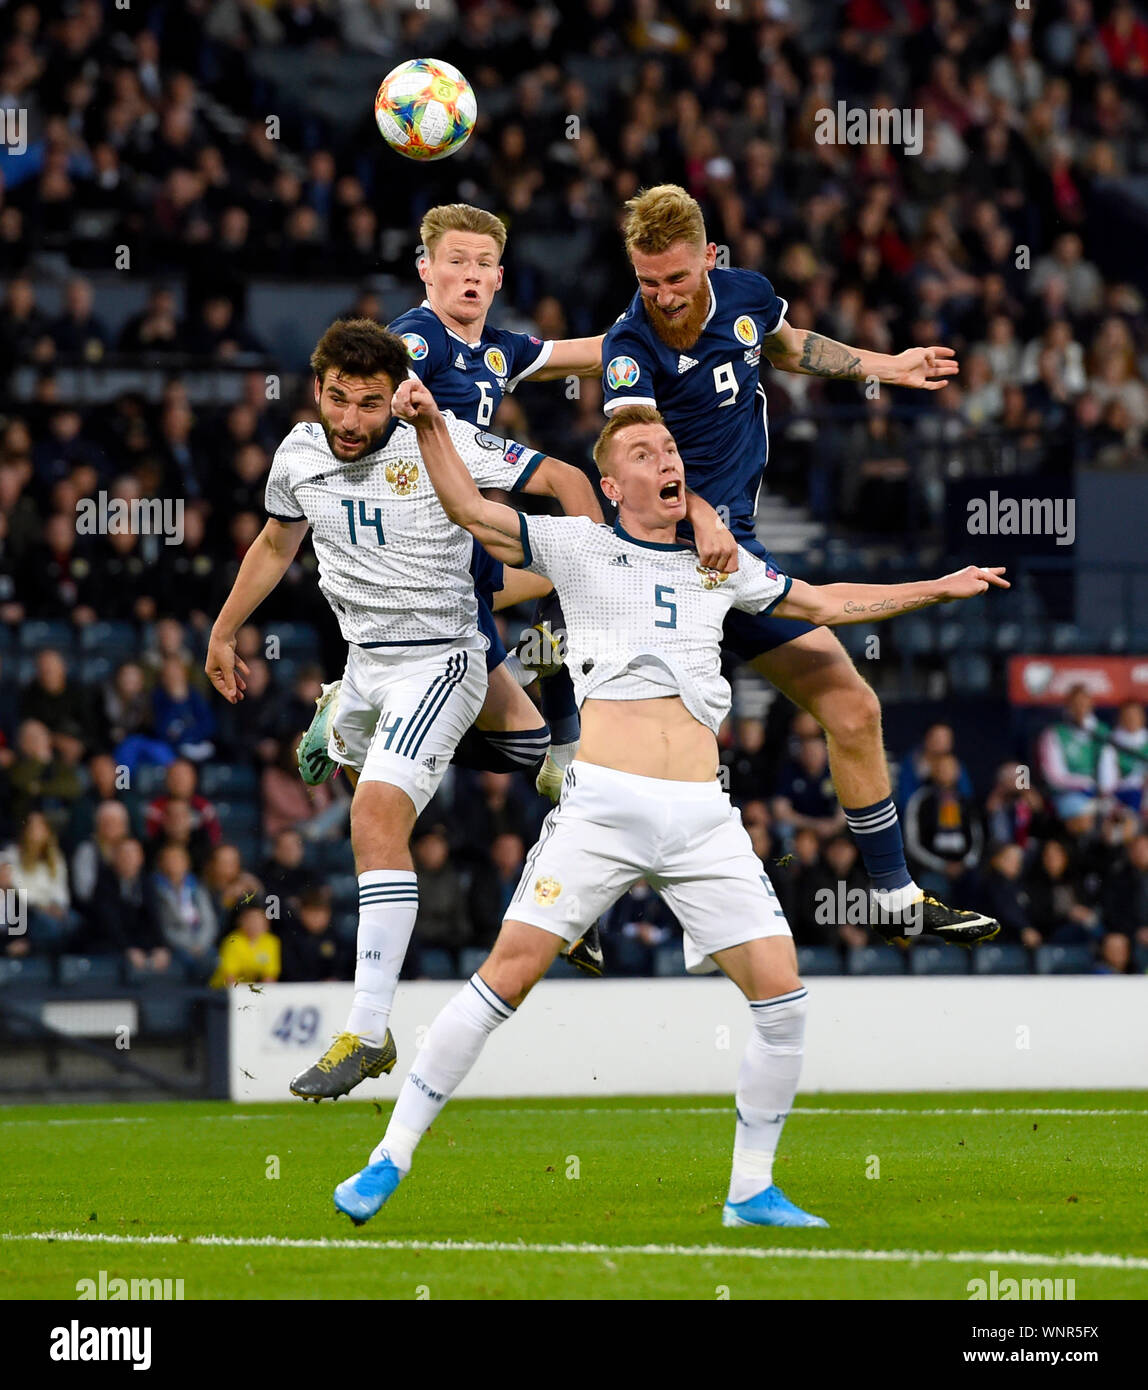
pixel 468 380
pixel 710 396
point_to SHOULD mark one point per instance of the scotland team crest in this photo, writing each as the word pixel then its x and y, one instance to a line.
pixel 403 477
pixel 495 359
pixel 416 346
pixel 745 330
pixel 622 371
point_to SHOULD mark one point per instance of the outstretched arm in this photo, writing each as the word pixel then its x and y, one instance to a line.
pixel 809 354
pixel 572 357
pixel 492 524
pixel 832 605
pixel 264 565
pixel 571 488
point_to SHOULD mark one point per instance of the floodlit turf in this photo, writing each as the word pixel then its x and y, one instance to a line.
pixel 648 1172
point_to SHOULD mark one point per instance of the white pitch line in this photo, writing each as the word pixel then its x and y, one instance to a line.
pixel 1095 1260
pixel 726 1110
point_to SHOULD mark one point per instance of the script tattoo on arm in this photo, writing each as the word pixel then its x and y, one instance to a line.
pixel 890 605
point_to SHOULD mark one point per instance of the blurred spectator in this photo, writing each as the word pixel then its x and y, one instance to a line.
pixel 283 875
pixel 311 948
pixel 127 704
pixel 1122 770
pixel 493 810
pixel 183 718
pixel 78 332
pixel 943 832
pixel 747 761
pixel 1002 894
pixel 288 804
pixel 917 768
pixel 1015 812
pixel 112 827
pixel 227 882
pixel 493 885
pixel 38 778
pixel 1069 755
pixel 182 909
pixel 1124 902
pixel 1055 893
pixel 805 795
pixel 40 870
pixel 181 780
pixel 124 918
pixel 442 920
pixel 250 953
pixel 63 704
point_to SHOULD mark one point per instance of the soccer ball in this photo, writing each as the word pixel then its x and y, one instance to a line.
pixel 425 109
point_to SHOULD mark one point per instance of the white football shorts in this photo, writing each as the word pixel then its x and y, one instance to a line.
pixel 684 838
pixel 402 711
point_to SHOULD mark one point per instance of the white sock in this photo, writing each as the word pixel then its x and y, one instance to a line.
pixel 766 1085
pixel 452 1046
pixel 519 672
pixel 564 753
pixel 894 900
pixel 388 906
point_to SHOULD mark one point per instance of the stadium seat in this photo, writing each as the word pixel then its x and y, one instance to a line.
pixel 238 817
pixel 236 780
pixel 93 970
pixel 20 1013
pixel 951 636
pixel 117 641
pixel 1001 960
pixel 874 960
pixel 250 847
pixel 38 633
pixel 335 857
pixel 8 638
pixel 1064 960
pixel 938 960
pixel 345 892
pixel 346 925
pixel 149 779
pixel 469 959
pixel 149 979
pixel 563 970
pixel 299 641
pixel 970 673
pixel 165 1013
pixel 17 972
pixel 625 956
pixel 1140 958
pixel 669 960
pixel 1010 637
pixel 819 960
pixel 914 635
pixel 95 670
pixel 435 964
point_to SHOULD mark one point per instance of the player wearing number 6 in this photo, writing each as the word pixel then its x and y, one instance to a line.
pixel 641 800
pixel 396 572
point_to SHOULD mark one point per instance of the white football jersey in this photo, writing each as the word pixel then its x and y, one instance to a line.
pixel 644 620
pixel 392 565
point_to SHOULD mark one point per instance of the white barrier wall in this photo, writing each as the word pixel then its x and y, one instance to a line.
pixel 639 1037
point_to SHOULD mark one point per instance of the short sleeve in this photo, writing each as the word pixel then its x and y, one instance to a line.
pixel 628 370
pixel 279 497
pixel 425 344
pixel 757 586
pixel 492 460
pixel 527 355
pixel 549 541
pixel 769 308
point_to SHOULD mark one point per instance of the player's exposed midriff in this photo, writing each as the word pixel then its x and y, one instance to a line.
pixel 650 738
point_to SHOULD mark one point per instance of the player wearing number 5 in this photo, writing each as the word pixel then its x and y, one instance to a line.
pixel 641 800
pixel 396 572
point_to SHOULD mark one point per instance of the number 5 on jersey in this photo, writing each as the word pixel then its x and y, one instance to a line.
pixel 666 604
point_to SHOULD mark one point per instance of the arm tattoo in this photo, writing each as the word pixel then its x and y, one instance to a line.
pixel 890 605
pixel 824 357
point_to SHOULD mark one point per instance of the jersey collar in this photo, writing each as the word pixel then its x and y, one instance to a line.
pixel 624 535
pixel 713 303
pixel 426 304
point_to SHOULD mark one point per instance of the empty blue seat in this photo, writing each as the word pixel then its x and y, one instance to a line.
pixel 238 817
pixel 346 925
pixel 914 635
pixel 970 673
pixel 299 640
pixel 938 960
pixel 148 779
pixel 435 964
pixel 119 641
pixel 1001 960
pixel 21 1013
pixel 875 960
pixel 18 971
pixel 819 960
pixel 336 856
pixel 345 891
pixel 39 633
pixel 228 780
pixel 668 960
pixel 95 670
pixel 1140 957
pixel 469 959
pixel 1064 960
pixel 165 1012
pixel 90 970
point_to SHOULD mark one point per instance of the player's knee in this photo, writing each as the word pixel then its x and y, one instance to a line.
pixel 851 715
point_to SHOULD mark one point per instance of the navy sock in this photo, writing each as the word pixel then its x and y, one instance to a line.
pixel 878 834
pixel 517 750
pixel 560 707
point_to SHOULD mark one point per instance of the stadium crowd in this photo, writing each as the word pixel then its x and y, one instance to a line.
pixel 147 128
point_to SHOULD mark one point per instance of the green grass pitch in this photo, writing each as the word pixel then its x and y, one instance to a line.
pixel 614 1198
